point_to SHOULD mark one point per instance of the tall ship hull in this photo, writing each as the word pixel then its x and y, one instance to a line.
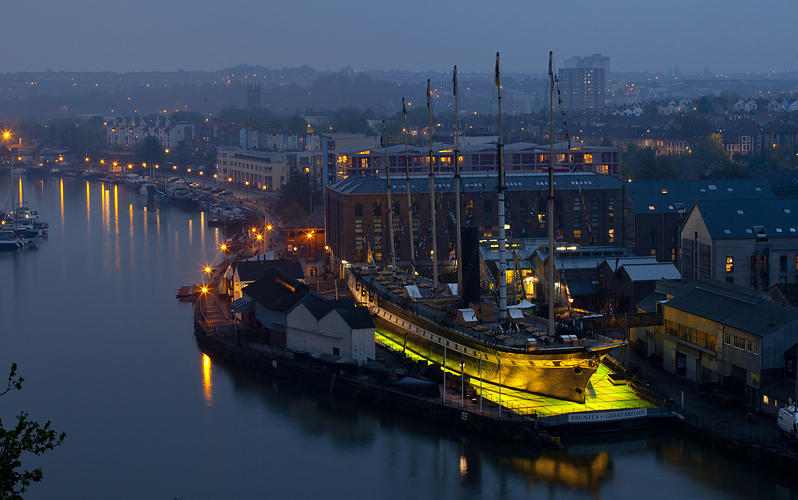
pixel 559 371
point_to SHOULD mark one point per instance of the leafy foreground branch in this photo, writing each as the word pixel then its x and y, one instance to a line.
pixel 25 436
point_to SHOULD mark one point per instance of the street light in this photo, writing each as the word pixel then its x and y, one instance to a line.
pixel 247 189
pixel 204 301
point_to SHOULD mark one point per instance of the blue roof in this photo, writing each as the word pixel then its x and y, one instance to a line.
pixel 737 219
pixel 661 197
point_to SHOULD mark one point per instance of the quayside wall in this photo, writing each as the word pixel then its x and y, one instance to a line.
pixel 510 427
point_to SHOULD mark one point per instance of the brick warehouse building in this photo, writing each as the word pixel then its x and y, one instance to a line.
pixel 356 214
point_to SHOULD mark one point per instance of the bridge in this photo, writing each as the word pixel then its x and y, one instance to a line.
pixel 616 322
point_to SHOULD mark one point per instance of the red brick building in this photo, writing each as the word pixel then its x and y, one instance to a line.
pixel 356 213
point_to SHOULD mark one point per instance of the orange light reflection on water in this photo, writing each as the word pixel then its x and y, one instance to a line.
pixel 206 380
pixel 88 207
pixel 62 202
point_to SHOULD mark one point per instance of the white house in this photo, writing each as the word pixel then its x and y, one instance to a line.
pixel 333 327
pixel 282 312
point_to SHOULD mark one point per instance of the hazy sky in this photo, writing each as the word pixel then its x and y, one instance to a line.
pixel 94 35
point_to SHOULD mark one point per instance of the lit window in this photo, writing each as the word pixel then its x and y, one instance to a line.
pixel 651 207
pixel 765 399
pixel 729 264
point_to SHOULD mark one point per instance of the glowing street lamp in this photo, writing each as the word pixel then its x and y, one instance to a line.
pixel 204 300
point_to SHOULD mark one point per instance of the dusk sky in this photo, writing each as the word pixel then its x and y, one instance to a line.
pixel 95 35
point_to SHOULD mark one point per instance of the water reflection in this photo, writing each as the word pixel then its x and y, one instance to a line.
pixel 225 432
pixel 61 190
pixel 207 385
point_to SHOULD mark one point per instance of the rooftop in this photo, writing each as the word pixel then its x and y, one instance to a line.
pixel 760 318
pixel 662 197
pixel 277 291
pixel 737 219
pixel 476 182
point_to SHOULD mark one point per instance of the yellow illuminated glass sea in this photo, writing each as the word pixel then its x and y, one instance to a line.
pixel 601 394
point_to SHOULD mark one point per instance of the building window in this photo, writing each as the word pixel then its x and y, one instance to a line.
pixel 358 210
pixel 653 252
pixel 727 338
pixel 765 399
pixel 783 263
pixel 377 209
pixel 653 236
pixel 377 226
pixel 594 205
pixel 729 264
pixel 358 226
pixel 730 279
pixel 611 235
pixel 577 205
pixel 336 351
pixel 577 235
pixel 754 379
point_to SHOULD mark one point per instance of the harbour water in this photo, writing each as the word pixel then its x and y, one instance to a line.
pixel 90 318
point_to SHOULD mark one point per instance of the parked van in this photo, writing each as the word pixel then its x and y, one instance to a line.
pixel 788 422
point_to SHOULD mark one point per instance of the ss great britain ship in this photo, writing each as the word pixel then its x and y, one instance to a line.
pixel 412 312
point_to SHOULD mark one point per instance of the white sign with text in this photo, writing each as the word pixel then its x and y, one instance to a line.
pixel 606 416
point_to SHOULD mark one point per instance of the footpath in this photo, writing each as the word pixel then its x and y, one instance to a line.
pixel 729 423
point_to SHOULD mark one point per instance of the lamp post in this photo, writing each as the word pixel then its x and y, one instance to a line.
pixel 247 189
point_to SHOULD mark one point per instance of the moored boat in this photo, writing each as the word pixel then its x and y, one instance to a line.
pixel 501 351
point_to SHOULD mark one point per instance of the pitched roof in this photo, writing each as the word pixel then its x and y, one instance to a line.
pixel 661 197
pixel 738 219
pixel 313 220
pixel 356 317
pixel 627 261
pixel 652 271
pixel 277 291
pixel 251 270
pixel 787 290
pixel 649 304
pixel 760 318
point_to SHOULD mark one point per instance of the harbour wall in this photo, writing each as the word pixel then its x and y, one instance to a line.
pixel 510 427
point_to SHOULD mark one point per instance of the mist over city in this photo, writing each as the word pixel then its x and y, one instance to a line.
pixel 399 250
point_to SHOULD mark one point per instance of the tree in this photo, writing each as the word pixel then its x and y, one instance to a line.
pixel 150 150
pixel 295 198
pixel 296 125
pixel 187 116
pixel 25 436
pixel 703 105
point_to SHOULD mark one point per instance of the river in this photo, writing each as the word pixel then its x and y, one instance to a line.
pixel 108 356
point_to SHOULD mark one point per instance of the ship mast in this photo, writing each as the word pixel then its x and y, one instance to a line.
pixel 457 199
pixel 501 188
pixel 409 200
pixel 432 194
pixel 390 200
pixel 550 204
